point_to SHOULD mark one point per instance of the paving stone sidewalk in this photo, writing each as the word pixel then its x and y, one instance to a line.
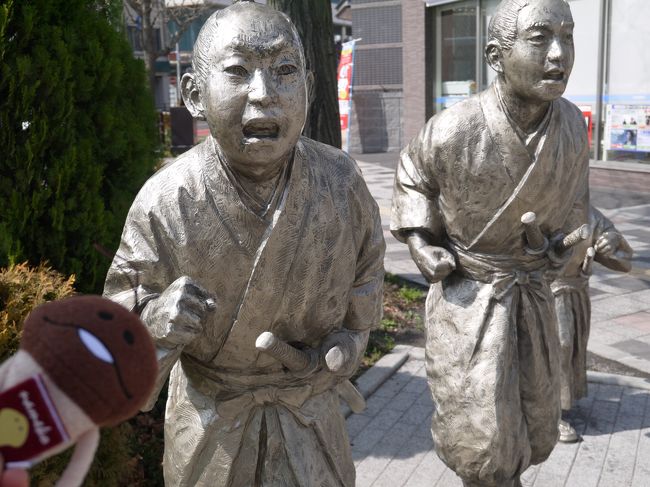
pixel 392 446
pixel 620 302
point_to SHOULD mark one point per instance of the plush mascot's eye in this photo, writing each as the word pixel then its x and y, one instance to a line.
pixel 105 315
pixel 128 337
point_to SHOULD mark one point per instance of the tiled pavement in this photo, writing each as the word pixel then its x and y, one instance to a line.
pixel 620 302
pixel 392 446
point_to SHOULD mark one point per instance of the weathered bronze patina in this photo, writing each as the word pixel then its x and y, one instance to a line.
pixel 465 192
pixel 255 230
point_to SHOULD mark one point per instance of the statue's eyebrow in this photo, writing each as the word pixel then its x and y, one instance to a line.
pixel 546 26
pixel 538 26
pixel 251 45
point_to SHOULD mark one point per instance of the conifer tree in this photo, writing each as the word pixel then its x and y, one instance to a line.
pixel 77 134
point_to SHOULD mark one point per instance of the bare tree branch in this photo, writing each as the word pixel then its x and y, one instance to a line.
pixel 150 15
pixel 134 4
pixel 129 13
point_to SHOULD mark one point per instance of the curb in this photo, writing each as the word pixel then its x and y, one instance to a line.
pixel 390 363
pixel 379 373
pixel 618 380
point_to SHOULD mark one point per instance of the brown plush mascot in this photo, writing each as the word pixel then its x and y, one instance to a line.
pixel 84 362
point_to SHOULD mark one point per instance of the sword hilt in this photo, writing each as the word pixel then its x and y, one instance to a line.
pixel 574 238
pixel 588 261
pixel 292 358
pixel 537 242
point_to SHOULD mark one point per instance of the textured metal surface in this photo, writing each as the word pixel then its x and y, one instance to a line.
pixel 282 233
pixel 461 189
pixel 573 305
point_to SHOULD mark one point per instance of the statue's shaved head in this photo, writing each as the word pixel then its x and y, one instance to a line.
pixel 245 14
pixel 503 25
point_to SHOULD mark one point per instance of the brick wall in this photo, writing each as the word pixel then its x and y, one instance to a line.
pixel 376 121
pixel 414 68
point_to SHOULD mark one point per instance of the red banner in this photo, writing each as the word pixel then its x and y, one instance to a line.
pixel 346 66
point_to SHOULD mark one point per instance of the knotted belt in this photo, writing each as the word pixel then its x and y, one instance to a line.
pixel 292 398
pixel 502 271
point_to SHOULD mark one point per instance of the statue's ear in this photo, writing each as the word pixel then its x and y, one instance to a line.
pixel 191 95
pixel 494 55
pixel 311 86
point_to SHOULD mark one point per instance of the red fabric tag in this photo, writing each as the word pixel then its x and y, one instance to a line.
pixel 29 423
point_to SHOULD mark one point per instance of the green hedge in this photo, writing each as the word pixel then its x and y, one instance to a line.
pixel 77 134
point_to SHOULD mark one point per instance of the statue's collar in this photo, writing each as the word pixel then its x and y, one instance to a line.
pixel 254 202
pixel 525 136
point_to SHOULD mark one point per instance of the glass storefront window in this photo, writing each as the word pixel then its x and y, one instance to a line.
pixel 488 7
pixel 456 45
pixel 626 99
pixel 611 45
pixel 583 83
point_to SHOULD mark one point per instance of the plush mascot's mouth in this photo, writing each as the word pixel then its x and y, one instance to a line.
pixel 95 346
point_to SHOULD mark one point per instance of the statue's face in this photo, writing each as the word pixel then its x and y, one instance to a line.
pixel 255 94
pixel 538 66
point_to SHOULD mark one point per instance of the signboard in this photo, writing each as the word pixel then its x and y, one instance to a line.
pixel 587 113
pixel 628 128
pixel 346 67
pixel 30 424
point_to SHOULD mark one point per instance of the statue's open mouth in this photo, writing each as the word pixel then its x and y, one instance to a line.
pixel 261 129
pixel 554 75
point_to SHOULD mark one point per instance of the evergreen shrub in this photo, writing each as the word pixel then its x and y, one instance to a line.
pixel 22 289
pixel 77 134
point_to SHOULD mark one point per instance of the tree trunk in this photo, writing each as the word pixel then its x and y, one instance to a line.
pixel 149 43
pixel 313 19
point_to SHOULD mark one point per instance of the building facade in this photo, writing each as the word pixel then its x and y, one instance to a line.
pixel 133 26
pixel 417 57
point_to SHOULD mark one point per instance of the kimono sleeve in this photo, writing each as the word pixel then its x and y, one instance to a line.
pixel 140 272
pixel 620 259
pixel 415 194
pixel 366 296
pixel 579 213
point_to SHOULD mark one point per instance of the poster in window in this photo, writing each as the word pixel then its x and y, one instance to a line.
pixel 643 140
pixel 623 139
pixel 628 127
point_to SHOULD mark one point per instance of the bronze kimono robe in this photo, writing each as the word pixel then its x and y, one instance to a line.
pixel 492 346
pixel 573 308
pixel 311 265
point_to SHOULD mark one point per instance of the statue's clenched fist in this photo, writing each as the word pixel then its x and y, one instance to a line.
pixel 178 314
pixel 435 263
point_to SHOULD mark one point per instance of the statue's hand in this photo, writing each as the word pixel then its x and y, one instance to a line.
pixel 435 263
pixel 176 317
pixel 342 351
pixel 608 243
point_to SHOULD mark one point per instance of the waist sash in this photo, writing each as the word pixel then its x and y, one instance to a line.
pixel 502 271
